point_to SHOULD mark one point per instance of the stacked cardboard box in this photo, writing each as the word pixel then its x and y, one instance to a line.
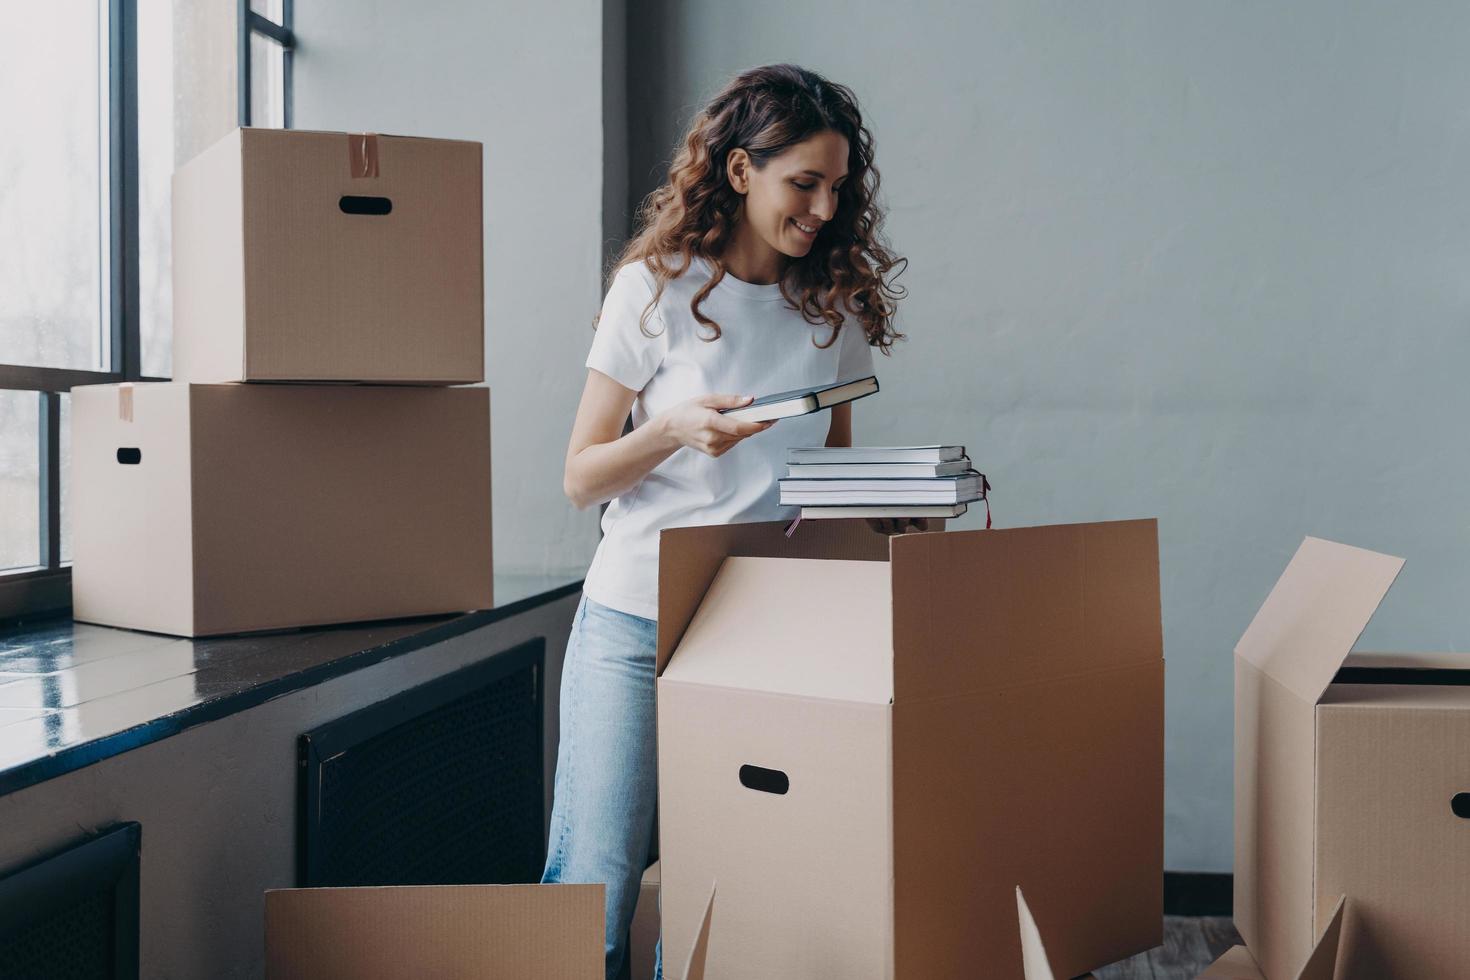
pixel 217 503
pixel 868 741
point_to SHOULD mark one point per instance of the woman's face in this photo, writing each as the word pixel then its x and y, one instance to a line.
pixel 788 200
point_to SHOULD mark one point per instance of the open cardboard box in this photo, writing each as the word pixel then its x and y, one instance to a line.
pixel 307 256
pixel 1349 781
pixel 1236 964
pixel 447 932
pixel 863 738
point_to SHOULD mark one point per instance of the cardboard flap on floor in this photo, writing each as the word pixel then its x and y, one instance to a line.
pixel 699 952
pixel 1034 961
pixel 453 932
pixel 1315 613
pixel 1238 964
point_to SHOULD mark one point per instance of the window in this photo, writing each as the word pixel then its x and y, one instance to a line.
pixel 114 94
pixel 265 57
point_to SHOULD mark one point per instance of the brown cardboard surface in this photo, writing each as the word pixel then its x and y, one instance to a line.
pixel 1034 960
pixel 821 645
pixel 209 275
pixel 643 934
pixel 1275 763
pixel 1321 963
pixel 1388 768
pixel 805 878
pixel 126 518
pixel 1453 697
pixel 981 610
pixel 324 295
pixel 1013 786
pixel 1289 654
pixel 694 968
pixel 299 505
pixel 1347 789
pixel 449 932
pixel 1315 613
pixel 1235 964
pixel 890 850
pixel 689 557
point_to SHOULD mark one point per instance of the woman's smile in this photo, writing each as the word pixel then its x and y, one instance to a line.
pixel 807 231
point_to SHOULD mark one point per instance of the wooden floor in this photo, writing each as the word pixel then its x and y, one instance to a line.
pixel 1190 945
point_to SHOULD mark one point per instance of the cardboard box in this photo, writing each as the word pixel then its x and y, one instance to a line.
pixel 1348 788
pixel 206 509
pixel 304 256
pixel 868 740
pixel 447 932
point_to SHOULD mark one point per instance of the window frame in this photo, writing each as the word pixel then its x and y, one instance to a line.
pixel 47 586
pixel 252 23
pixel 45 589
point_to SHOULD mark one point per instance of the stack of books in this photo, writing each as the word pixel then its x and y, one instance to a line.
pixel 881 481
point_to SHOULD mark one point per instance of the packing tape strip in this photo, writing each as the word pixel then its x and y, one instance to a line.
pixel 125 402
pixel 362 154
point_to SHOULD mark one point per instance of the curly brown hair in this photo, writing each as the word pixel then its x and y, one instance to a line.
pixel 766 110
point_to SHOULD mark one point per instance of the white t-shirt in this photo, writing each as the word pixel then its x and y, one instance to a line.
pixel 764 347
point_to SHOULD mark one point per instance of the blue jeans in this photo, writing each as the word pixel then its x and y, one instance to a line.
pixel 602 815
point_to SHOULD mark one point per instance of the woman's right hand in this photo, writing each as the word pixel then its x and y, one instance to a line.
pixel 699 425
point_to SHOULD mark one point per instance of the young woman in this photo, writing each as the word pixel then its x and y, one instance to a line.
pixel 758 268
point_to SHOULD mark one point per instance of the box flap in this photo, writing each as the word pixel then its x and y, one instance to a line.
pixel 1322 964
pixel 698 953
pixel 531 932
pixel 1315 613
pixel 1236 964
pixel 985 610
pixel 1033 952
pixel 794 626
pixel 689 557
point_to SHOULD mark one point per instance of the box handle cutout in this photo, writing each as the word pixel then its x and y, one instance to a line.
pixel 130 457
pixel 1460 805
pixel 359 204
pixel 764 780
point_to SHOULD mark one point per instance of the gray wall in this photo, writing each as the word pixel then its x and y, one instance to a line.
pixel 1205 262
pixel 527 81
